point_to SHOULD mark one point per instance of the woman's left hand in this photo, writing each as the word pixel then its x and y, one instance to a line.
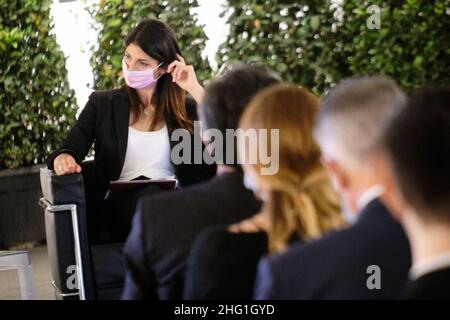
pixel 184 76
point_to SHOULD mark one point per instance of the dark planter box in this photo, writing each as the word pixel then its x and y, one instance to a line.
pixel 21 218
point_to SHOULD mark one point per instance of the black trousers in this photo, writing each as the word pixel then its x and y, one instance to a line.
pixel 116 214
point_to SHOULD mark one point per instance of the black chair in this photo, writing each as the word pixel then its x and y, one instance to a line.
pixel 80 269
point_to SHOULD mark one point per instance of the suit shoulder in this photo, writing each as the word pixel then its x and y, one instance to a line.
pixel 309 252
pixel 106 94
pixel 211 242
pixel 338 245
pixel 103 99
pixel 212 237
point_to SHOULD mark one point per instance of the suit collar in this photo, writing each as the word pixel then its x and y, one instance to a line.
pixel 373 208
pixel 369 195
pixel 430 265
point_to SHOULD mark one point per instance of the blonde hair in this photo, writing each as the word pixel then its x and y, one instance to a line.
pixel 302 201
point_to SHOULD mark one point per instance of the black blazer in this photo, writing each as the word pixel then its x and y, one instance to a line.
pixel 222 264
pixel 335 266
pixel 431 286
pixel 105 121
pixel 165 226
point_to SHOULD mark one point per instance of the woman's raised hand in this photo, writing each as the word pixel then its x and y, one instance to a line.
pixel 184 76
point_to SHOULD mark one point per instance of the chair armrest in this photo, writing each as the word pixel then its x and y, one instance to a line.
pixel 67 240
pixel 62 189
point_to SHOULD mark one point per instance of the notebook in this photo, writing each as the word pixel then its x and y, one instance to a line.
pixel 116 187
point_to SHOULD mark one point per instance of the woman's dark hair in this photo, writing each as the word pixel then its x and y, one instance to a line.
pixel 158 41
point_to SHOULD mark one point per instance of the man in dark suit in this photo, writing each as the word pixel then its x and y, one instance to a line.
pixel 371 258
pixel 165 225
pixel 416 174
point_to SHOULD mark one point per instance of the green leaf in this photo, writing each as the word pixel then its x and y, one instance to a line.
pixel 315 22
pixel 418 61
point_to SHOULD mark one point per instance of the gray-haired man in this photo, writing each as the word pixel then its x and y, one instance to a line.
pixel 371 258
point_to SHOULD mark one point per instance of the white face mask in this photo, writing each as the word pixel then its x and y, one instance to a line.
pixel 251 184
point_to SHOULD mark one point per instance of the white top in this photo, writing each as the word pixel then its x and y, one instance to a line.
pixel 148 154
pixel 430 265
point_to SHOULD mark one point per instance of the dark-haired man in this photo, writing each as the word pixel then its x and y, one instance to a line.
pixel 416 174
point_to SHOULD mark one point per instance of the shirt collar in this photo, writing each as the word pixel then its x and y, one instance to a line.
pixel 430 265
pixel 369 195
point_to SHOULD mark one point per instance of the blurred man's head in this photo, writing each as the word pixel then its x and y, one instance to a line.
pixel 348 129
pixel 417 149
pixel 227 96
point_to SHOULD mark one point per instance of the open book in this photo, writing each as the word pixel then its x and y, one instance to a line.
pixel 116 187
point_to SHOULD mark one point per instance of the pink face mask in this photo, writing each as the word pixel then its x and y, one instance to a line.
pixel 140 79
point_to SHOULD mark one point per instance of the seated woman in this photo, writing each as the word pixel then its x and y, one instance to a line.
pixel 299 203
pixel 131 126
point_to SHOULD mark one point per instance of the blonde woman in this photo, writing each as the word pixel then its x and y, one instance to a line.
pixel 299 203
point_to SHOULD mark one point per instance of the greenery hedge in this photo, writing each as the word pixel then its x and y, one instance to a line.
pixel 37 106
pixel 316 44
pixel 115 18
